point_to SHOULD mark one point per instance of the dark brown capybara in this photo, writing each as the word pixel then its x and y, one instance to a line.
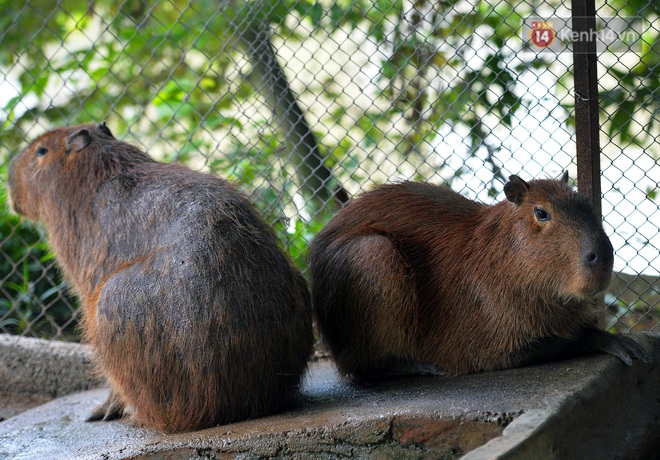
pixel 195 314
pixel 413 273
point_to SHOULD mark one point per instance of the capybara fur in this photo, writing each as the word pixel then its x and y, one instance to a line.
pixel 412 273
pixel 195 314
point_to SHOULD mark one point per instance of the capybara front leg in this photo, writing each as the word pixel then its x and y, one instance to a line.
pixel 625 348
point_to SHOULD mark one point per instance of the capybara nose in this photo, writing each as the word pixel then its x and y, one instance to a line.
pixel 601 257
pixel 592 260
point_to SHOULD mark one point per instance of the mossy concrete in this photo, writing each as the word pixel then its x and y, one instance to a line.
pixel 590 407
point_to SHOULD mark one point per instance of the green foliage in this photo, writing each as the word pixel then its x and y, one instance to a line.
pixel 163 69
pixel 629 82
pixel 431 76
pixel 168 63
pixel 635 98
pixel 168 58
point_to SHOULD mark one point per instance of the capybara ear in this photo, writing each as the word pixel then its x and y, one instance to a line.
pixel 105 130
pixel 77 140
pixel 515 189
pixel 564 178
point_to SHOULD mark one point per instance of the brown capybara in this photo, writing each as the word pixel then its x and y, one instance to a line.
pixel 413 273
pixel 195 314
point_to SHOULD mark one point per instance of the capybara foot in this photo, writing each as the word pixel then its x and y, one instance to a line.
pixel 625 348
pixel 111 409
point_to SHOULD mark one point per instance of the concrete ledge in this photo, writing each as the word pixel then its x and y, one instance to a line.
pixel 44 367
pixel 592 407
pixel 615 413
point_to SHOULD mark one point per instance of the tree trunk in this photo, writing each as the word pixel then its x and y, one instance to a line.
pixel 315 179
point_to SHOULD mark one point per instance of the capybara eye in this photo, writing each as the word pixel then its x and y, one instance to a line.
pixel 542 215
pixel 41 151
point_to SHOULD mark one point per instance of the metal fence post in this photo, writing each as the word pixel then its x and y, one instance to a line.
pixel 587 127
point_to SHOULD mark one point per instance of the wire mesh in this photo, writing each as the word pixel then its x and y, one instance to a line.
pixel 305 104
pixel 630 107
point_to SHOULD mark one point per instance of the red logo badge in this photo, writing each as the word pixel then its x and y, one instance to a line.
pixel 542 33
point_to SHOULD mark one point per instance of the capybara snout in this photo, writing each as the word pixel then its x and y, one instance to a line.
pixel 598 260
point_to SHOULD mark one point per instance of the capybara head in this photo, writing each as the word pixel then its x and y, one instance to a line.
pixel 55 167
pixel 559 235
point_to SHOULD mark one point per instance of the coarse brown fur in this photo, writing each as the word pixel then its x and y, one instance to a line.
pixel 195 314
pixel 416 273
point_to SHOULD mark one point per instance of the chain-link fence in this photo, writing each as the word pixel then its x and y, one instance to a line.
pixel 629 89
pixel 304 104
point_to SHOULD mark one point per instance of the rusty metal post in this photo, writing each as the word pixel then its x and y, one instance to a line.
pixel 587 125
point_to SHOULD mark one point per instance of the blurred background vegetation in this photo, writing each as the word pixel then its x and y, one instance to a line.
pixel 305 103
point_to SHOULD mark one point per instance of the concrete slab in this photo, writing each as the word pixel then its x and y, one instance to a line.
pixel 592 407
pixel 45 367
pixel 34 371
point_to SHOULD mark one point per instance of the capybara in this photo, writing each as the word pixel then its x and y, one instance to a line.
pixel 415 274
pixel 195 314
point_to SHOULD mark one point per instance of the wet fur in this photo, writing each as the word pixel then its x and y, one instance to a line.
pixel 195 314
